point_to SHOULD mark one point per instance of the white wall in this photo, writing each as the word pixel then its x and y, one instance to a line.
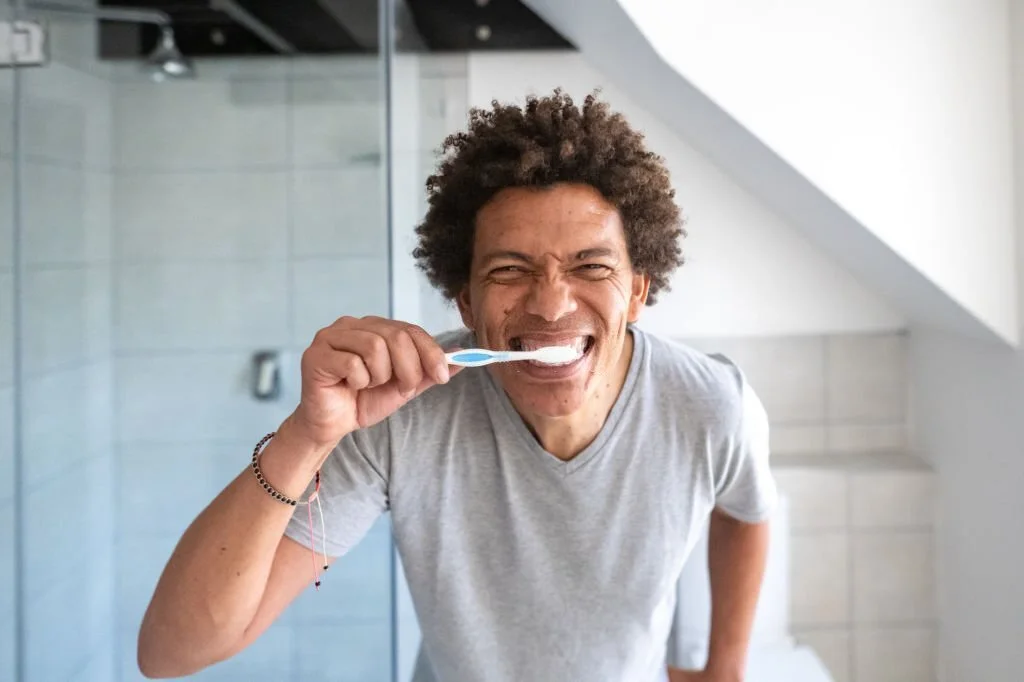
pixel 969 400
pixel 899 112
pixel 748 273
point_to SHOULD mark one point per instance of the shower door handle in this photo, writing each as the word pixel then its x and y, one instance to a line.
pixel 266 375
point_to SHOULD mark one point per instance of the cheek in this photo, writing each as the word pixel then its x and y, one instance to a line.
pixel 613 301
pixel 496 308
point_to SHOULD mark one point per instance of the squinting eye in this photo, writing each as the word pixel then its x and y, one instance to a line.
pixel 594 269
pixel 506 271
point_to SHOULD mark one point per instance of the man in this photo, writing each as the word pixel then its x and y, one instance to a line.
pixel 543 513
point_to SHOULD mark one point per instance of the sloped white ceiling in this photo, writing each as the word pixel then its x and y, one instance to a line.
pixel 929 295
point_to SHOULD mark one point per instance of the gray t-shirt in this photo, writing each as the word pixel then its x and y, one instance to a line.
pixel 525 567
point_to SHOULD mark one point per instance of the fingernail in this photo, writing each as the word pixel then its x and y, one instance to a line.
pixel 442 373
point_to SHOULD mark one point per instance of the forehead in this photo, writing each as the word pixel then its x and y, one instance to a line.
pixel 555 218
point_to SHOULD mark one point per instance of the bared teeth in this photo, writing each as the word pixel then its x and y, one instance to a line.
pixel 579 343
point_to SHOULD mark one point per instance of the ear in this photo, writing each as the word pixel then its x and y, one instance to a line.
pixel 638 296
pixel 465 310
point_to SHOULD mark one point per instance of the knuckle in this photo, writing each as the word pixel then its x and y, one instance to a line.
pixel 309 355
pixel 399 336
pixel 378 346
pixel 416 331
pixel 351 363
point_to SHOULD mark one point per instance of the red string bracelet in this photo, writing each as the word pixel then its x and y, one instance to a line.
pixel 281 497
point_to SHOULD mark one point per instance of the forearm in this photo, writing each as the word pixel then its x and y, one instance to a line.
pixel 737 553
pixel 214 581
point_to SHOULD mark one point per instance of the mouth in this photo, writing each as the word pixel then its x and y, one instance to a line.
pixel 582 344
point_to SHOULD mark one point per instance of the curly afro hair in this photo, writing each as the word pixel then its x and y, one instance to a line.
pixel 550 140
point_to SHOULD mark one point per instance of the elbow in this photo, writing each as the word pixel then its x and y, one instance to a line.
pixel 157 660
pixel 153 668
pixel 164 666
pixel 159 665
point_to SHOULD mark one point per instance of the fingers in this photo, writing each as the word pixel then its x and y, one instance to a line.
pixel 387 350
pixel 431 355
pixel 406 366
pixel 326 366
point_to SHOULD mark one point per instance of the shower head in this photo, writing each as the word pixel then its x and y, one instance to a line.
pixel 166 62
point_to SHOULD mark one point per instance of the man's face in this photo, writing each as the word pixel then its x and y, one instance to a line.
pixel 551 267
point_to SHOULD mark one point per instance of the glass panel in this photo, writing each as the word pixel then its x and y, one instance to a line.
pixel 172 230
pixel 67 479
pixel 429 94
pixel 8 542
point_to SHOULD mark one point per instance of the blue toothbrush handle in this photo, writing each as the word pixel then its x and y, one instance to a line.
pixel 474 357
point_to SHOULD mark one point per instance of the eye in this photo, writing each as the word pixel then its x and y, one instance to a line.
pixel 506 272
pixel 594 270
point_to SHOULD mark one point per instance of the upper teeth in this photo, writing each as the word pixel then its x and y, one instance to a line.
pixel 579 343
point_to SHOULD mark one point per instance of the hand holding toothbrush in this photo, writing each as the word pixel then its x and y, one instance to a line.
pixel 358 371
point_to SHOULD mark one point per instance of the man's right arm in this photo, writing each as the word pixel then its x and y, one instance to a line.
pixel 233 571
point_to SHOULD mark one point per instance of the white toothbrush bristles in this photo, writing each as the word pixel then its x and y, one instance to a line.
pixel 554 355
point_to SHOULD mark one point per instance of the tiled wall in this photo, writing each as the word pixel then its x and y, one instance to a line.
pixel 247 214
pixel 862 576
pixel 66 395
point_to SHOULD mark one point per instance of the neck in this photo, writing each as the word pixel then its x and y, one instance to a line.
pixel 565 437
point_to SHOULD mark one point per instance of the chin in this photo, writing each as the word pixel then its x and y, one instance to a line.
pixel 549 401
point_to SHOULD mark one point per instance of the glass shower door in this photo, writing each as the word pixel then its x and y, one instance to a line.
pixel 174 233
pixel 8 540
pixel 67 482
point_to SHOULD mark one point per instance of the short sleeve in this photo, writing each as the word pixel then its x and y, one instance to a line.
pixel 353 493
pixel 744 485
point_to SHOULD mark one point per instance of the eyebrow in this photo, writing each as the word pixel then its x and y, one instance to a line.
pixel 595 252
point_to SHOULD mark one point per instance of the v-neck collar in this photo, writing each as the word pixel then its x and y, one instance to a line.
pixel 514 420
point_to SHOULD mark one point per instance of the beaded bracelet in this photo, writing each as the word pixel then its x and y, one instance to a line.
pixel 281 497
pixel 259 473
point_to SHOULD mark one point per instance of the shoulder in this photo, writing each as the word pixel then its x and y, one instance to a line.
pixel 693 373
pixel 707 385
pixel 455 338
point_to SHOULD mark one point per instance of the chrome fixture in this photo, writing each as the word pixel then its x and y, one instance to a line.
pixel 165 62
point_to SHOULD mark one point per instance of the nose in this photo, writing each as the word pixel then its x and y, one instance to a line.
pixel 550 298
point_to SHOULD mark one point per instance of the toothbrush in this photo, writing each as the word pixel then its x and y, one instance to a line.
pixel 478 357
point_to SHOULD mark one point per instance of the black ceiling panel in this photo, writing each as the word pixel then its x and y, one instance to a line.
pixel 460 25
pixel 201 29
